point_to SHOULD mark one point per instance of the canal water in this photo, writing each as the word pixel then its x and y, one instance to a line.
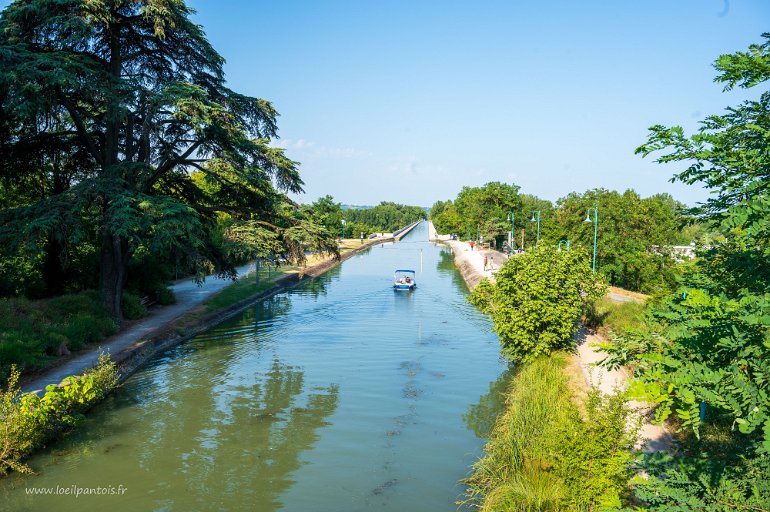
pixel 337 395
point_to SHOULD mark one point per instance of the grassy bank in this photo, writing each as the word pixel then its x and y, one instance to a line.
pixel 608 316
pixel 33 333
pixel 544 454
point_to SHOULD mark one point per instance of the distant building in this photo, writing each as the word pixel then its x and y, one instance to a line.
pixel 678 252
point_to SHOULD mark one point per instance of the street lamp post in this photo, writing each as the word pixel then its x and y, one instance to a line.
pixel 596 228
pixel 563 242
pixel 342 236
pixel 536 212
pixel 511 218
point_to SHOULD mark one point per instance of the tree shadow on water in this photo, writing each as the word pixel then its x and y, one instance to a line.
pixel 481 416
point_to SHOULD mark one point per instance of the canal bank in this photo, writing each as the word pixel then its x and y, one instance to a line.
pixel 170 325
pixel 584 362
pixel 335 394
pixel 469 260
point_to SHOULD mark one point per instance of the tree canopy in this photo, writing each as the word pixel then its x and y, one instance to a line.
pixel 114 103
pixel 704 353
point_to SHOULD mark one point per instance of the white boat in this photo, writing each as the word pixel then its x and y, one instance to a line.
pixel 404 280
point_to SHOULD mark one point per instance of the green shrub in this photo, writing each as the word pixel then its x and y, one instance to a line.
pixel 27 420
pixel 538 299
pixel 166 296
pixel 85 329
pixel 20 276
pixel 33 332
pixel 132 306
pixel 594 457
pixel 542 455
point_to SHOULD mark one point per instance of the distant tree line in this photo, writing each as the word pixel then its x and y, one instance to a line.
pixel 386 217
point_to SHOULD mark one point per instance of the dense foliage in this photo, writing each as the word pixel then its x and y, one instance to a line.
pixel 478 211
pixel 385 217
pixel 538 299
pixel 107 108
pixel 706 348
pixel 543 455
pixel 28 420
pixel 632 236
pixel 633 239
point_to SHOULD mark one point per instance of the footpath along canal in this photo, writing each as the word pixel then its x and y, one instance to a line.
pixel 339 394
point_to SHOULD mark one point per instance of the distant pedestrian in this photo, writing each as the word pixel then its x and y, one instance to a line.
pixel 472 243
pixel 486 262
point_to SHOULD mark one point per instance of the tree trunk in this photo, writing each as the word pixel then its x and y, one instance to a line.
pixel 114 266
pixel 53 268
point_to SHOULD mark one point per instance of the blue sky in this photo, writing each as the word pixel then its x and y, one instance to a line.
pixel 410 100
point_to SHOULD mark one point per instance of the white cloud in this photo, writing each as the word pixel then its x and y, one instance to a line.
pixel 309 149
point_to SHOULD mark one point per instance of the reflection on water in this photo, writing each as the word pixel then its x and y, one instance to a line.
pixel 481 416
pixel 211 441
pixel 339 394
pixel 446 266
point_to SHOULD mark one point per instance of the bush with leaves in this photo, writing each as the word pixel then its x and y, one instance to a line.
pixel 594 457
pixel 28 420
pixel 538 299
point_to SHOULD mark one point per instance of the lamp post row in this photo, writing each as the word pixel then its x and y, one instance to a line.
pixel 536 218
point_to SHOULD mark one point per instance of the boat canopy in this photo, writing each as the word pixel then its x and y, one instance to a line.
pixel 410 271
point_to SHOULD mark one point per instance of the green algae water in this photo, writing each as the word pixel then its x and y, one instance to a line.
pixel 337 395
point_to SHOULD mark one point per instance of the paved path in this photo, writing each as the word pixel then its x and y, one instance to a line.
pixel 617 297
pixel 188 295
pixel 653 438
pixel 472 257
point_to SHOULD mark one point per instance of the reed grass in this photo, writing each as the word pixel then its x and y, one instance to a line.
pixel 544 455
pixel 516 472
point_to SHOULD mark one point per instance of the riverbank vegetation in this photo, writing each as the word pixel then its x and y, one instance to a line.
pixel 27 420
pixel 33 333
pixel 112 186
pixel 704 353
pixel 544 455
pixel 115 183
pixel 699 349
pixel 537 301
